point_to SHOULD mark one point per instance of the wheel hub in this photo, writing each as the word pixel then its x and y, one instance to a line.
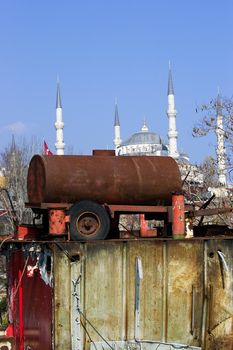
pixel 88 224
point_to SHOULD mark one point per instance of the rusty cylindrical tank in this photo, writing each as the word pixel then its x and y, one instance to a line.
pixel 136 180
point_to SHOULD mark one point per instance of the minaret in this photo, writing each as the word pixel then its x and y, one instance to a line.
pixel 117 129
pixel 220 143
pixel 59 125
pixel 171 113
pixel 13 156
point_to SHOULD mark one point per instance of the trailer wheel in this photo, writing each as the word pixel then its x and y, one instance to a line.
pixel 88 221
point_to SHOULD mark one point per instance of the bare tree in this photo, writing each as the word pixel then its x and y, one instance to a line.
pixel 209 170
pixel 208 123
pixel 14 161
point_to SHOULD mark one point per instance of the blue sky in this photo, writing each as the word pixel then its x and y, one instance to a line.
pixel 103 49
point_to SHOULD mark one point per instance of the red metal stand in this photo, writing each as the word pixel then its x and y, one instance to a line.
pixel 178 222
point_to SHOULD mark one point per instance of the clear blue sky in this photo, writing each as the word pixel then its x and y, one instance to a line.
pixel 102 49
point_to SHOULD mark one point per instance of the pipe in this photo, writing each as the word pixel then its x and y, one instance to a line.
pixel 178 223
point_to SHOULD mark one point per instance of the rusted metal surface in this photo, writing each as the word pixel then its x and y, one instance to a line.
pixel 103 152
pixel 144 345
pixel 103 272
pixel 209 212
pixel 30 300
pixel 129 294
pixel 151 300
pixel 88 223
pixel 48 205
pixel 219 267
pixel 137 209
pixel 62 300
pixel 145 231
pixel 57 221
pixel 185 294
pixel 178 223
pixel 28 232
pixel 105 179
pixel 216 231
pixel 76 326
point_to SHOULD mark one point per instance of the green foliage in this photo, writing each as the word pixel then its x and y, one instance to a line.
pixel 3 313
pixel 3 305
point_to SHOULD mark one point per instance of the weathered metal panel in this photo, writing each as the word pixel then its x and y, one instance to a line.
pixel 37 312
pixel 30 304
pixel 219 291
pixel 104 289
pixel 62 303
pixel 77 331
pixel 142 345
pixel 185 294
pixel 151 291
pixel 184 291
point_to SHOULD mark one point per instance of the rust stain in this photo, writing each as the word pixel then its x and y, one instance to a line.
pixel 108 179
pixel 175 283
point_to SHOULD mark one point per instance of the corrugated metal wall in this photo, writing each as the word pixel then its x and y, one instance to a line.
pixel 30 304
pixel 185 295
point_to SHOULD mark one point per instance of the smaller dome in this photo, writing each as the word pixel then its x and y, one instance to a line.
pixel 143 137
pixel 183 157
pixel 143 142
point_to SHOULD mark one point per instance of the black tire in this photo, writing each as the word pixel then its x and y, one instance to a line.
pixel 88 221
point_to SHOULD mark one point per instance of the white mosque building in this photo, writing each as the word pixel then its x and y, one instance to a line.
pixel 148 143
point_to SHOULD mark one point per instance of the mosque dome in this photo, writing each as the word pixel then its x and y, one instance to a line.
pixel 143 143
pixel 143 137
pixel 147 143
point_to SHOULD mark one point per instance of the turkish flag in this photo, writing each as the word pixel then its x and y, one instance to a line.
pixel 47 151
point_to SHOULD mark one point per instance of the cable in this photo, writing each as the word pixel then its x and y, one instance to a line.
pixel 85 329
pixel 6 239
pixel 173 346
pixel 24 269
pixel 130 232
pixel 81 313
pixel 65 252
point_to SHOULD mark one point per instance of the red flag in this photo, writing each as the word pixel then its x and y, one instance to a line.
pixel 47 151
